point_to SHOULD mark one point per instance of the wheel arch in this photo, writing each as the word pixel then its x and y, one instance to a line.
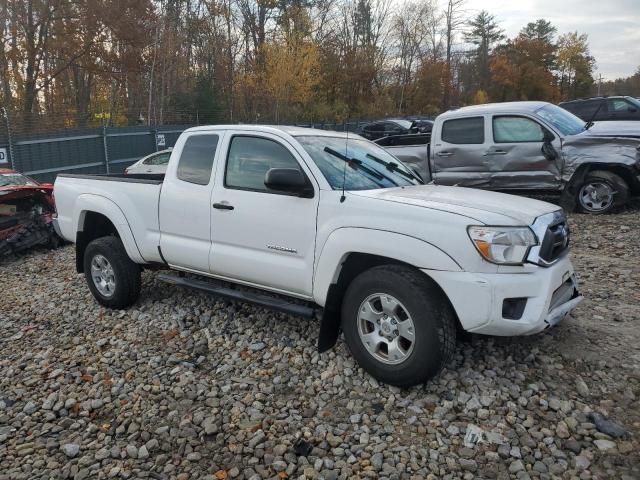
pixel 99 217
pixel 623 171
pixel 355 263
pixel 626 172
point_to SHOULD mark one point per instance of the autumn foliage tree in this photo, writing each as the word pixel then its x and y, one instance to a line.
pixel 77 63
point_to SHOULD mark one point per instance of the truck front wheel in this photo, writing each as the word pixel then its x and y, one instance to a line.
pixel 114 280
pixel 397 325
pixel 602 192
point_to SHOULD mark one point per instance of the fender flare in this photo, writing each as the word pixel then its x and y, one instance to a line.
pixel 89 202
pixel 329 287
pixel 348 240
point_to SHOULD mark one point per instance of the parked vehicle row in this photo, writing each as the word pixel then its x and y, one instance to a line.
pixel 323 223
pixel 513 146
pixel 600 109
pixel 534 146
pixel 395 126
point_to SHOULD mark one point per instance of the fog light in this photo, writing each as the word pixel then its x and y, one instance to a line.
pixel 513 308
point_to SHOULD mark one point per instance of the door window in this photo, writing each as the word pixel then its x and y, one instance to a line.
pixel 250 158
pixel 196 159
pixel 617 105
pixel 516 130
pixel 463 130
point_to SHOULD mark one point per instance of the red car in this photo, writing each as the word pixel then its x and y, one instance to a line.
pixel 26 213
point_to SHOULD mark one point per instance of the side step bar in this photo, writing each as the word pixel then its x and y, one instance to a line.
pixel 267 301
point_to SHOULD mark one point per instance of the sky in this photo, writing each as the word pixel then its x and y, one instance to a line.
pixel 613 26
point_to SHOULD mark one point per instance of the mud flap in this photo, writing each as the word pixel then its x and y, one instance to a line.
pixel 330 321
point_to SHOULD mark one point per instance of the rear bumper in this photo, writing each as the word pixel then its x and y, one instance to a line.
pixel 478 299
pixel 56 227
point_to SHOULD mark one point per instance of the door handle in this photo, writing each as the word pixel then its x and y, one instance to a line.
pixel 444 154
pixel 222 206
pixel 495 152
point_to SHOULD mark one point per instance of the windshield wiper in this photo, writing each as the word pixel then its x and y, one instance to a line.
pixel 359 165
pixel 394 167
pixel 589 124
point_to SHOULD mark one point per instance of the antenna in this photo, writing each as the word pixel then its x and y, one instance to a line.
pixel 344 170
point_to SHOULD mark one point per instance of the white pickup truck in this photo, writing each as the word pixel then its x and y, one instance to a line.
pixel 320 223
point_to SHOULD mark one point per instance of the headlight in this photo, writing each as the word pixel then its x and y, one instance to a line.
pixel 503 245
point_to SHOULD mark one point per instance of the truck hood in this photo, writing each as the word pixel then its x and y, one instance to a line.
pixel 481 205
pixel 616 128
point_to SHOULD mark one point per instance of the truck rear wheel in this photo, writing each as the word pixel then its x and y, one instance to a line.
pixel 602 192
pixel 397 325
pixel 114 280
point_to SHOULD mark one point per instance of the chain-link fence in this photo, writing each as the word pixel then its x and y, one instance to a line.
pixel 42 147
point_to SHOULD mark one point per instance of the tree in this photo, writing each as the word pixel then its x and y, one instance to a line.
pixel 575 65
pixel 520 73
pixel 291 75
pixel 454 21
pixel 484 33
pixel 410 33
pixel 543 32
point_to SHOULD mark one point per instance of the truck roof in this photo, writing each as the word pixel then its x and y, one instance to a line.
pixel 504 107
pixel 293 131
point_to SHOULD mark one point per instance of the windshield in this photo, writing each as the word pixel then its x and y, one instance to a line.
pixel 635 101
pixel 566 122
pixel 7 179
pixel 370 167
pixel 404 123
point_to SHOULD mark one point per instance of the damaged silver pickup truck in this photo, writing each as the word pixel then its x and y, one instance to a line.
pixel 528 146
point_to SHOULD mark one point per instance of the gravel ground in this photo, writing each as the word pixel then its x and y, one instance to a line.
pixel 182 386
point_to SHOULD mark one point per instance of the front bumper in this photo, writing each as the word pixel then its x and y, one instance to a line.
pixel 551 294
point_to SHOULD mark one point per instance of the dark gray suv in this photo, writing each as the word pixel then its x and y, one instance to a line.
pixel 601 109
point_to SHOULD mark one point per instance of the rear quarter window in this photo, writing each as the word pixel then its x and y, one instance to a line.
pixel 463 130
pixel 196 159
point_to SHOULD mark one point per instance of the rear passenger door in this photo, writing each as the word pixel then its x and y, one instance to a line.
pixel 185 203
pixel 457 154
pixel 259 236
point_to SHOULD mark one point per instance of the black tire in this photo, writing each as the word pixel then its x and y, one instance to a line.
pixel 126 273
pixel 615 182
pixel 433 319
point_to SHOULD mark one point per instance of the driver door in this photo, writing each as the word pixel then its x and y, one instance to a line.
pixel 259 236
pixel 515 157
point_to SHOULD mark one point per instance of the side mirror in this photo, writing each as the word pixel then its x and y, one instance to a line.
pixel 288 180
pixel 548 151
pixel 548 137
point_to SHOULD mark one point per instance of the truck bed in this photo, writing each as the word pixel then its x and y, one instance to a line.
pixel 130 201
pixel 154 179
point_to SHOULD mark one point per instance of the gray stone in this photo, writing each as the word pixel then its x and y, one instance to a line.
pixel 607 426
pixel 604 445
pixel 582 387
pixel 376 460
pixel 516 466
pixel 132 451
pixel 143 453
pixel 71 450
pixel 468 464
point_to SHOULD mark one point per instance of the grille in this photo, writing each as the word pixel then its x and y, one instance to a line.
pixel 555 241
